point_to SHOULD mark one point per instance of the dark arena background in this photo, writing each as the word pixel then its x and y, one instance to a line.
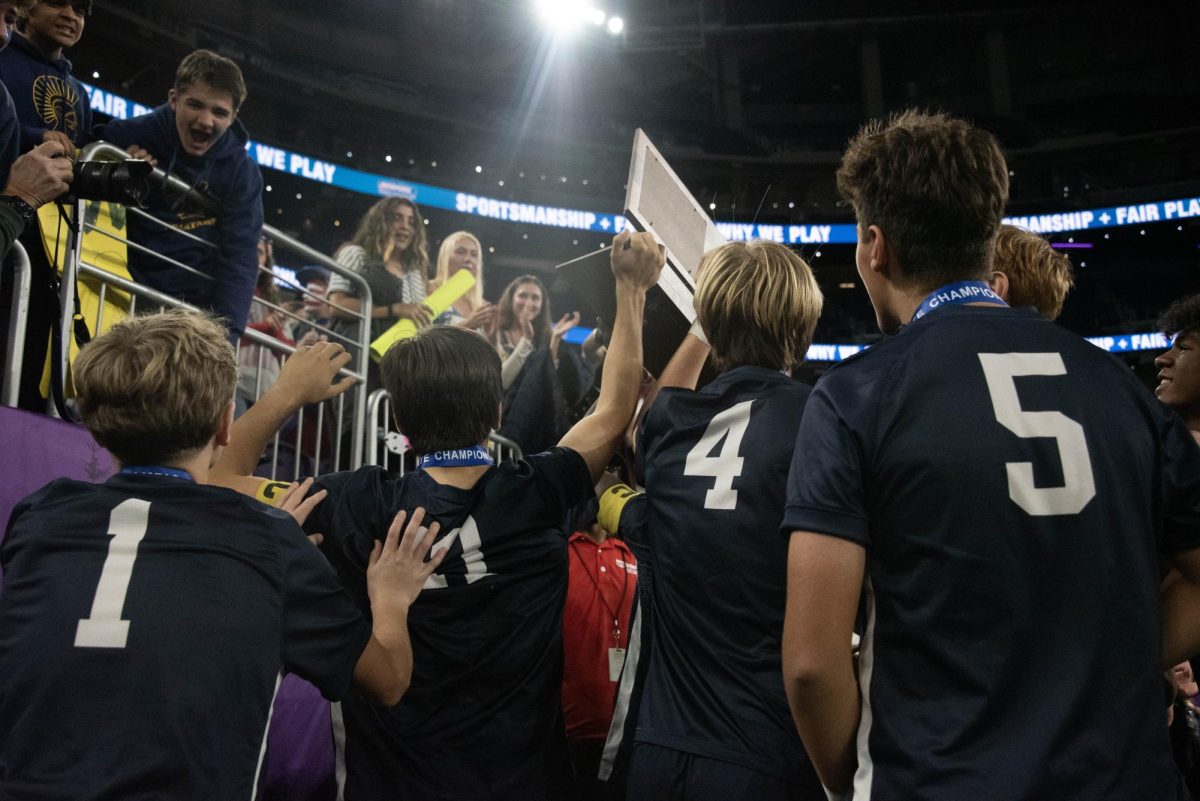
pixel 457 104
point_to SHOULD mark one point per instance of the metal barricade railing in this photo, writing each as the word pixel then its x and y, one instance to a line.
pixel 319 437
pixel 17 320
pixel 387 448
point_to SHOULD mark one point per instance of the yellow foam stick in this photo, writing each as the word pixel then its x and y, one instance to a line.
pixel 442 298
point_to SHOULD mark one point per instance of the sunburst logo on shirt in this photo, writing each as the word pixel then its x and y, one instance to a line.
pixel 55 101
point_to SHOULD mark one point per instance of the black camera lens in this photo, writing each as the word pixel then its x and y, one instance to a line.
pixel 123 182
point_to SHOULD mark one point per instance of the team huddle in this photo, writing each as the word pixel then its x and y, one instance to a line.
pixel 934 575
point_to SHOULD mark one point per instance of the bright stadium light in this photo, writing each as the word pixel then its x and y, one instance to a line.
pixel 561 16
pixel 564 17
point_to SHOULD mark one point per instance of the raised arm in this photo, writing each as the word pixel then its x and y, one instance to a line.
pixel 637 261
pixel 306 377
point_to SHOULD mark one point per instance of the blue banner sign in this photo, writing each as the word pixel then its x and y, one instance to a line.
pixel 437 197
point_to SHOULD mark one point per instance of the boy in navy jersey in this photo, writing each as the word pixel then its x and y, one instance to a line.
pixel 713 720
pixel 481 719
pixel 144 621
pixel 1014 487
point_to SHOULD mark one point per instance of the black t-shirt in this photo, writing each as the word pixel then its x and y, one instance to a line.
pixel 715 463
pixel 1014 487
pixel 481 716
pixel 143 626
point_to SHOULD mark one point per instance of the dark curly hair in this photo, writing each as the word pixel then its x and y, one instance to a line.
pixel 1181 317
pixel 936 185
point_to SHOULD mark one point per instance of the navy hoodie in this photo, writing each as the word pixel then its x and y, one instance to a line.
pixel 10 135
pixel 226 173
pixel 47 96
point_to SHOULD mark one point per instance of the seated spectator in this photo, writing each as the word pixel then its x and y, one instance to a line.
pixel 1027 271
pixel 197 136
pixel 601 588
pixel 462 251
pixel 482 717
pixel 1179 367
pixel 389 251
pixel 146 620
pixel 542 380
pixel 51 102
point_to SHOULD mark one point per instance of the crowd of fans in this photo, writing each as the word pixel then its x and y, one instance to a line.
pixel 960 566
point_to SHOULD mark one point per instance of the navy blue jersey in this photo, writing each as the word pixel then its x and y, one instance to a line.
pixel 143 626
pixel 481 717
pixel 716 463
pixel 1014 487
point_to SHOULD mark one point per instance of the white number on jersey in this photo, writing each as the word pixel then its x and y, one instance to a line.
pixel 726 428
pixel 1079 485
pixel 472 554
pixel 105 628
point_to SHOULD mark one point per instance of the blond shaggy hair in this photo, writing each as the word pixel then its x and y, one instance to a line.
pixel 758 303
pixel 1038 275
pixel 155 387
pixel 936 186
pixel 475 296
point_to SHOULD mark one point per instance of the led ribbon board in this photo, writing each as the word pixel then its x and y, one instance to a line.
pixel 1116 343
pixel 437 197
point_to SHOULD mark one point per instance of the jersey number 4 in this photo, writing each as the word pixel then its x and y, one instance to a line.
pixel 105 628
pixel 1079 485
pixel 727 428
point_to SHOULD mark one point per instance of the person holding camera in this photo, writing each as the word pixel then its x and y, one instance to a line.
pixel 196 135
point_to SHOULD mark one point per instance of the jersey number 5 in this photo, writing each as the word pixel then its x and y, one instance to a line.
pixel 105 628
pixel 727 428
pixel 1079 485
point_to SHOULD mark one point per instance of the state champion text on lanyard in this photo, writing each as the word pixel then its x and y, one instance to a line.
pixel 156 470
pixel 955 294
pixel 463 457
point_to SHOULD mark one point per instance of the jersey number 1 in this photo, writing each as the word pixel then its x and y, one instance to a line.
pixel 728 428
pixel 105 628
pixel 1079 485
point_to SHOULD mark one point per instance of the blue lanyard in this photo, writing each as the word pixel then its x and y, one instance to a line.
pixel 157 470
pixel 956 293
pixel 464 457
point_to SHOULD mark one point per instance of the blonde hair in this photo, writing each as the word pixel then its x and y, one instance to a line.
pixel 475 296
pixel 1038 275
pixel 156 386
pixel 758 303
pixel 375 235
